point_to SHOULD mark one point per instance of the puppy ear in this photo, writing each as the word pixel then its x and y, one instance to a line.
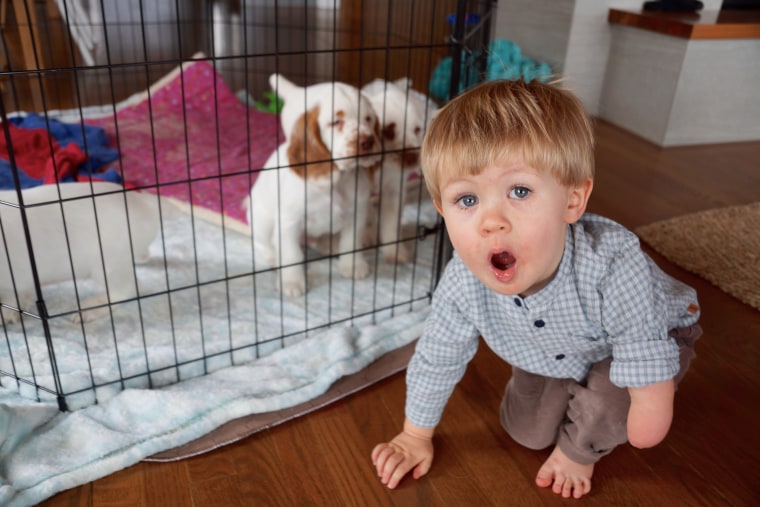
pixel 307 154
pixel 283 87
pixel 404 83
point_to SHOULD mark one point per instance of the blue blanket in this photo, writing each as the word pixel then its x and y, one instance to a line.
pixel 91 141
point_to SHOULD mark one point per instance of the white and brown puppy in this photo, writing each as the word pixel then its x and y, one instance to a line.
pixel 78 232
pixel 404 116
pixel 316 183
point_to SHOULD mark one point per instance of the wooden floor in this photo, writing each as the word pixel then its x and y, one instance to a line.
pixel 710 458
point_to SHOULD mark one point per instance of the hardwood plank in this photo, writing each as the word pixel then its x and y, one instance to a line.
pixel 166 483
pixel 302 458
pixel 349 461
pixel 75 497
pixel 483 440
pixel 449 478
pixel 124 488
pixel 212 466
pixel 379 417
pixel 645 173
pixel 259 471
pixel 220 491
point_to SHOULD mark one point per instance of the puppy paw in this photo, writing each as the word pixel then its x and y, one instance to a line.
pixel 353 266
pixel 263 258
pixel 292 282
pixel 293 289
pixel 400 254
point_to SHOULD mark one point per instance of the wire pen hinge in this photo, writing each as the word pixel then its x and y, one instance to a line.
pixel 424 231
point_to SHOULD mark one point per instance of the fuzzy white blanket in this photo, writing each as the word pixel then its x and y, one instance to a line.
pixel 201 348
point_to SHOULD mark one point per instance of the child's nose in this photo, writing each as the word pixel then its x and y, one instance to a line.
pixel 494 220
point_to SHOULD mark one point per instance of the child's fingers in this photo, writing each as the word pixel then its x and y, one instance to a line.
pixel 422 469
pixel 380 456
pixel 386 459
pixel 391 465
pixel 376 452
pixel 400 469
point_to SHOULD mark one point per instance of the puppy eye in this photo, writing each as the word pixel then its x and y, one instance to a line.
pixel 368 119
pixel 417 131
pixel 336 123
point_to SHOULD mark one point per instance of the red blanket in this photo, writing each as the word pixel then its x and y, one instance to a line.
pixel 187 137
pixel 40 155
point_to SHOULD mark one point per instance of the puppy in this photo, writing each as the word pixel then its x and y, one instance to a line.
pixel 404 116
pixel 317 181
pixel 87 232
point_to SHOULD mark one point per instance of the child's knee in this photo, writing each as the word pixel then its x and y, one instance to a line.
pixel 524 431
pixel 530 419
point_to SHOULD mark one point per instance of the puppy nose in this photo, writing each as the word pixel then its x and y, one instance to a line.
pixel 410 158
pixel 366 143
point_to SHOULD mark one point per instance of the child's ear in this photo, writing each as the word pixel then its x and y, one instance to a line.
pixel 438 207
pixel 577 199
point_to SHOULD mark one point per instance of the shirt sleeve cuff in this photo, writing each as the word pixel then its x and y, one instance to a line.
pixel 641 364
pixel 421 419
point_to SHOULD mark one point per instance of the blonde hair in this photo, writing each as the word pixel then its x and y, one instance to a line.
pixel 501 120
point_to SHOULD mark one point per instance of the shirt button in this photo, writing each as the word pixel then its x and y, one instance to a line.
pixel 518 302
pixel 539 323
pixel 559 357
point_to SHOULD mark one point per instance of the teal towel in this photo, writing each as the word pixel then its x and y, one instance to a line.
pixel 504 60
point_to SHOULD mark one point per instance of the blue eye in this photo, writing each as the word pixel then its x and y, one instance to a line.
pixel 467 201
pixel 519 192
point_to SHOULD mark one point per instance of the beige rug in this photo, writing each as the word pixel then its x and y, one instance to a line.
pixel 720 245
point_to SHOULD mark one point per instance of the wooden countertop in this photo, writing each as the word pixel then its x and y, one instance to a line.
pixel 738 24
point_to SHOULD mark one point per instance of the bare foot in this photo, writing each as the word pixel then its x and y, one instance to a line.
pixel 565 476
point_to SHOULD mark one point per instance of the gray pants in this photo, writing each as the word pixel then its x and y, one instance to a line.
pixel 587 419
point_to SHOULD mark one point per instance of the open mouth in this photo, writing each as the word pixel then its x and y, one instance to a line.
pixel 502 261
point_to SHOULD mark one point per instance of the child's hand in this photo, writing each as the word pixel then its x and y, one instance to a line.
pixel 409 450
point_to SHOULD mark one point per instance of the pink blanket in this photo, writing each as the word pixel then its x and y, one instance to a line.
pixel 187 137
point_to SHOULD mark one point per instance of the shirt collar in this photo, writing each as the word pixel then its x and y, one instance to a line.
pixel 543 298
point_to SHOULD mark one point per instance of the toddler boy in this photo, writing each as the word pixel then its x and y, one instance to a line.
pixel 597 335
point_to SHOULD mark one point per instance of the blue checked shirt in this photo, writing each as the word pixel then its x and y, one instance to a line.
pixel 608 298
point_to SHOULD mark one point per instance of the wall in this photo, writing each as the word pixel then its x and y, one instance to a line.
pixel 573 36
pixel 675 91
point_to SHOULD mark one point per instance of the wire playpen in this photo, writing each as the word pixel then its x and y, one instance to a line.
pixel 133 132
